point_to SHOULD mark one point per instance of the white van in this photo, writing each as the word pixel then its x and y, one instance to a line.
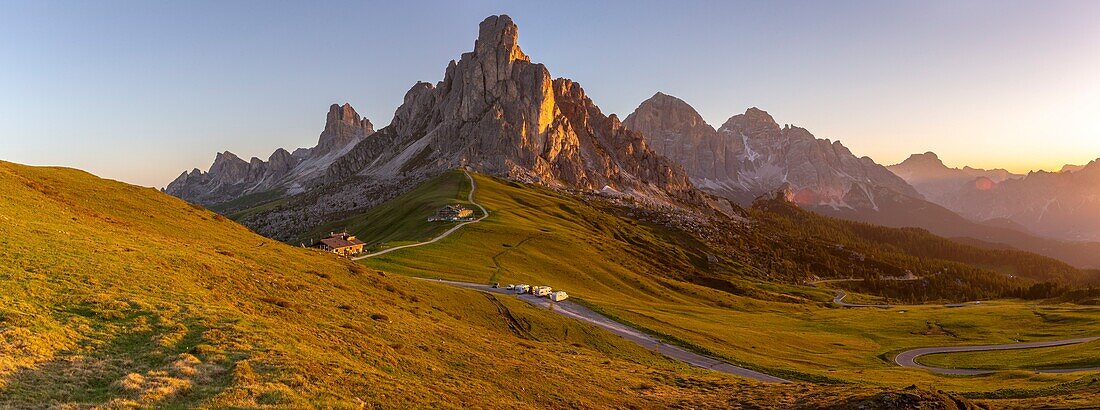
pixel 541 291
pixel 559 296
pixel 522 288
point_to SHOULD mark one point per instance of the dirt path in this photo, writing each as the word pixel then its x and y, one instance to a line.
pixel 470 198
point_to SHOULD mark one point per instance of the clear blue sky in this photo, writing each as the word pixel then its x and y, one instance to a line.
pixel 140 91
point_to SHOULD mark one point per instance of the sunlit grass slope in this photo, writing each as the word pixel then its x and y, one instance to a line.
pixel 122 296
pixel 646 276
pixel 405 219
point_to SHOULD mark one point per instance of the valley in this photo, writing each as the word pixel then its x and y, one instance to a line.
pixel 121 296
pixel 505 242
pixel 564 247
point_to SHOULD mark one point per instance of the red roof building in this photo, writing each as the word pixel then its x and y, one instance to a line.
pixel 341 244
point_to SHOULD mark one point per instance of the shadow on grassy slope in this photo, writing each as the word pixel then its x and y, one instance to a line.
pixel 126 356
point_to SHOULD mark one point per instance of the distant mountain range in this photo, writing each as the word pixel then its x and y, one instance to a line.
pixel 494 112
pixel 941 184
pixel 498 113
pixel 1063 205
pixel 751 155
pixel 230 177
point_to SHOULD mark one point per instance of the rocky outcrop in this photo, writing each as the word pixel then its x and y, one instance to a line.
pixel 343 127
pixel 751 155
pixel 941 184
pixel 674 129
pixel 498 113
pixel 230 177
pixel 821 172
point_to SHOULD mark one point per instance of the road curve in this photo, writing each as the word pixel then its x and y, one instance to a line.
pixel 576 311
pixel 470 198
pixel 908 357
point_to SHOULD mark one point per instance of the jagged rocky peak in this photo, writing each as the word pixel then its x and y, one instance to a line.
pixel 752 122
pixel 676 130
pixel 227 163
pixel 342 127
pixel 663 114
pixel 498 113
pixel 498 39
pixel 230 177
pixel 751 155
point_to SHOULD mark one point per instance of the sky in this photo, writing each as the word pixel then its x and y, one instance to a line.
pixel 140 91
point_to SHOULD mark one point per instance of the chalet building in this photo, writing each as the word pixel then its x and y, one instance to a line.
pixel 452 213
pixel 342 243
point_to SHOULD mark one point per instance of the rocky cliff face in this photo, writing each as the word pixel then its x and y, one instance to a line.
pixel 230 177
pixel 343 127
pixel 941 184
pixel 751 155
pixel 498 113
pixel 674 129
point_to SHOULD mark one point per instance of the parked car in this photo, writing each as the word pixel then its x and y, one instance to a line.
pixel 522 288
pixel 558 296
pixel 541 291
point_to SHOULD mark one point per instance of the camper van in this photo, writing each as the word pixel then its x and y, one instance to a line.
pixel 522 288
pixel 541 290
pixel 558 296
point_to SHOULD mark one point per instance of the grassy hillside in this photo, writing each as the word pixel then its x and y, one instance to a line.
pixel 404 219
pixel 694 294
pixel 122 296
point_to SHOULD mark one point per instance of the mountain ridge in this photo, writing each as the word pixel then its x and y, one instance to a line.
pixel 1057 205
pixel 230 177
pixel 494 112
pixel 940 183
pixel 750 155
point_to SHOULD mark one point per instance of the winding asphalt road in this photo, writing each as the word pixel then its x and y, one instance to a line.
pixel 576 311
pixel 573 310
pixel 470 198
pixel 908 357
